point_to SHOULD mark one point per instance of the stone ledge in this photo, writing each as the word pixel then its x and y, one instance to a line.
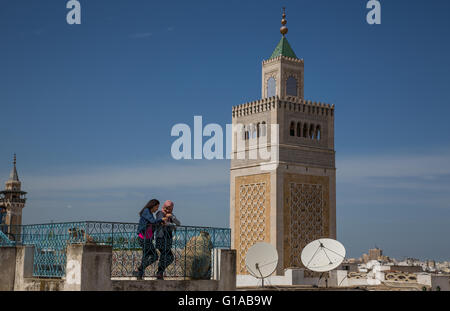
pixel 166 285
pixel 40 284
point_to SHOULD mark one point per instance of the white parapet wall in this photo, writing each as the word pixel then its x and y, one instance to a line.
pixel 424 278
pixel 440 282
pixel 338 278
pixel 335 278
pixel 290 277
pixel 341 278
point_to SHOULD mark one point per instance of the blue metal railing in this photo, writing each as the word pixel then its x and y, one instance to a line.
pixel 4 239
pixel 51 240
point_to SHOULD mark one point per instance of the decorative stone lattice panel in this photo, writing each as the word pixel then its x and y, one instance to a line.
pixel 306 214
pixel 252 214
pixel 306 218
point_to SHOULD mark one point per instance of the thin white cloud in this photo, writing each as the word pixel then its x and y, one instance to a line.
pixel 405 165
pixel 38 32
pixel 192 174
pixel 400 171
pixel 141 35
pixel 417 181
pixel 386 180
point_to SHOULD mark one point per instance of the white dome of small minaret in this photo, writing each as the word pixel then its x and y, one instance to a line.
pixel 13 199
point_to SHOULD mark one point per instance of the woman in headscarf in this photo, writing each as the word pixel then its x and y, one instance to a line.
pixel 147 221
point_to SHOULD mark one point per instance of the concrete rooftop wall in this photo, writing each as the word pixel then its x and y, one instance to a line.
pixel 88 268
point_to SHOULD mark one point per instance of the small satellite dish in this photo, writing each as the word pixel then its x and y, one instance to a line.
pixel 323 255
pixel 261 260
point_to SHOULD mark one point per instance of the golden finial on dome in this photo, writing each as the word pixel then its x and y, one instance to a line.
pixel 284 29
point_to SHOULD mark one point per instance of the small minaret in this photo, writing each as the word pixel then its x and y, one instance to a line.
pixel 12 200
pixel 283 72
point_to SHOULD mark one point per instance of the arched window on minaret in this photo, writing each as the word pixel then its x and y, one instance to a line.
pixel 311 131
pixel 246 133
pixel 318 133
pixel 291 86
pixel 263 128
pixel 299 127
pixel 305 130
pixel 254 131
pixel 271 87
pixel 292 129
pixel 258 129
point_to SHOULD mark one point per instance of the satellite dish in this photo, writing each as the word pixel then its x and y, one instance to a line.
pixel 323 255
pixel 261 260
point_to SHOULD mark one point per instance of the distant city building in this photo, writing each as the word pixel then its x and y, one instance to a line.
pixel 349 266
pixel 375 254
pixel 365 258
pixel 408 265
pixel 431 264
pixel 351 260
pixel 408 269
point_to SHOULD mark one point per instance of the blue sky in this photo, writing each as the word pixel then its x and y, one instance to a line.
pixel 89 108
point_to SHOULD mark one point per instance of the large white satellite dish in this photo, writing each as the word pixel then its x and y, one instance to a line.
pixel 261 260
pixel 323 255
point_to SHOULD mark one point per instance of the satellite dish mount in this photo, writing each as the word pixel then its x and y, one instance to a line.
pixel 261 260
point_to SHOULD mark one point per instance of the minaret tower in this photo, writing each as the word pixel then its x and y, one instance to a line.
pixel 12 199
pixel 292 201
